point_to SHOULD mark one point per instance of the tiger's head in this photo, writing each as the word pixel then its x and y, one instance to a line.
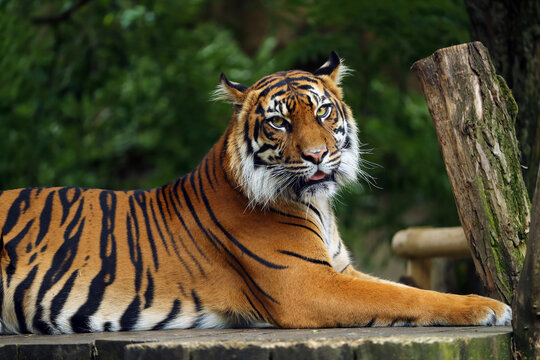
pixel 291 137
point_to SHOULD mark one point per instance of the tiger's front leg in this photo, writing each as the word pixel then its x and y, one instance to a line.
pixel 324 298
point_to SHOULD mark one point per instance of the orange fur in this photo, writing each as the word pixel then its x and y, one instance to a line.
pixel 248 237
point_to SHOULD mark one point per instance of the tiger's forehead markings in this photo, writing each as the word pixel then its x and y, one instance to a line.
pixel 290 88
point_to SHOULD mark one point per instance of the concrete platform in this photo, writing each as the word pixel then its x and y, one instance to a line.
pixel 351 343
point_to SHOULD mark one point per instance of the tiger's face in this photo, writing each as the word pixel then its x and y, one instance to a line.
pixel 293 138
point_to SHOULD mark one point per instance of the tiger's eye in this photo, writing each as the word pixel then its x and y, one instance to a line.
pixel 277 122
pixel 323 111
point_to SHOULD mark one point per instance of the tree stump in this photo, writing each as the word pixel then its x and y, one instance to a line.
pixel 526 306
pixel 474 115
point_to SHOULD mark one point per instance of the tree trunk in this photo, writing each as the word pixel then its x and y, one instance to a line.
pixel 474 115
pixel 510 30
pixel 527 300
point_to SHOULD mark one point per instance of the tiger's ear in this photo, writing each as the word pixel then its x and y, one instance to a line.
pixel 230 91
pixel 333 68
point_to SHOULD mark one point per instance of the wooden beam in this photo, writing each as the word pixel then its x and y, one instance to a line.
pixel 431 242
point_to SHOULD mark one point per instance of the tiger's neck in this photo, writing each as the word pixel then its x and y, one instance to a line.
pixel 221 161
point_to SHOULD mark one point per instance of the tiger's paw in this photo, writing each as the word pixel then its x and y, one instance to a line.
pixel 478 310
pixel 501 318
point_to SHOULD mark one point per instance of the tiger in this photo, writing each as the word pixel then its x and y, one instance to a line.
pixel 247 239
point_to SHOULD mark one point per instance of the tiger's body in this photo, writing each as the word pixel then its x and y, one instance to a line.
pixel 248 237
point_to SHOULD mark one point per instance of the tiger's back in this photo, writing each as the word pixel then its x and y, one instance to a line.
pixel 80 260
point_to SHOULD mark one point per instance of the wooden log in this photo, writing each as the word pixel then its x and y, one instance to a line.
pixel 419 270
pixel 430 242
pixel 526 321
pixel 474 115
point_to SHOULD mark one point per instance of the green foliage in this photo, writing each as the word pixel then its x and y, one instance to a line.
pixel 117 95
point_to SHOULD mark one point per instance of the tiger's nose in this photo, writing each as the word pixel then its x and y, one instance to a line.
pixel 314 156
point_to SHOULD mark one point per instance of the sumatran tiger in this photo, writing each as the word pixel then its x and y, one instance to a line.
pixel 247 238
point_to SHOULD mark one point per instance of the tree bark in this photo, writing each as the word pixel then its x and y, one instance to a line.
pixel 527 300
pixel 510 30
pixel 474 115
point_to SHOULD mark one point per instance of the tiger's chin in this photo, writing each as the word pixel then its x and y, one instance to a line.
pixel 326 189
pixel 320 185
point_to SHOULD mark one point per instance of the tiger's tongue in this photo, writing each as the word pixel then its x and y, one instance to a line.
pixel 317 176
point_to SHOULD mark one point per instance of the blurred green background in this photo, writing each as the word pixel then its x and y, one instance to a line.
pixel 115 94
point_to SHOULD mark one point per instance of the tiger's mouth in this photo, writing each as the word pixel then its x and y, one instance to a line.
pixel 319 175
pixel 318 178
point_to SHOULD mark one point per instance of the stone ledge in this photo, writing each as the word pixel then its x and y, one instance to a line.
pixel 351 343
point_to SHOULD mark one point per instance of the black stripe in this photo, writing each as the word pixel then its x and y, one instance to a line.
pixel 304 78
pixel 45 218
pixel 107 326
pixel 192 182
pixel 182 290
pixel 252 292
pixel 259 315
pixel 140 197
pixel 198 309
pixel 63 193
pixel 256 130
pixel 260 111
pixel 268 79
pixel 151 206
pixel 131 315
pixel 370 323
pixel 11 249
pixel 346 266
pixel 245 273
pixel 305 87
pixel 194 215
pixel 175 310
pixel 31 260
pixel 177 212
pixel 175 247
pixel 107 273
pixel 304 227
pixel 295 217
pixel 247 140
pixel 214 165
pixel 276 94
pixel 167 206
pixel 176 250
pixel 196 301
pixel 190 206
pixel 134 248
pixel 133 213
pixel 314 209
pixel 57 304
pixel 315 261
pixel 15 210
pixel 193 258
pixel 18 299
pixel 174 190
pixel 265 147
pixel 237 243
pixel 207 174
pixel 149 293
